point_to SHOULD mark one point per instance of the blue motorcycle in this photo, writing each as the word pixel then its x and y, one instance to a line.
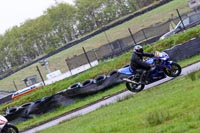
pixel 162 67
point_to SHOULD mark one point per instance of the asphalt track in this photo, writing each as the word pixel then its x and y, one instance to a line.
pixel 4 94
pixel 93 107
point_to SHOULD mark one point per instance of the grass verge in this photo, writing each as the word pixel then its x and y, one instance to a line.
pixel 164 108
pixel 100 95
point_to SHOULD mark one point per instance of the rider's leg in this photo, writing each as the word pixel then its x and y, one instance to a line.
pixel 143 77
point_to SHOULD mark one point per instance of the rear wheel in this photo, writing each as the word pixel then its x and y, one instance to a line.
pixel 133 87
pixel 9 128
pixel 174 71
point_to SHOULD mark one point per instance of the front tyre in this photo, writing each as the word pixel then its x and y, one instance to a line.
pixel 174 70
pixel 134 87
pixel 9 128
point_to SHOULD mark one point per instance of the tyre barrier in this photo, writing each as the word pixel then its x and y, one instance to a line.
pixel 66 96
pixel 12 113
pixel 113 73
pixel 49 103
pixel 36 107
pixel 114 77
pixel 40 106
pixel 73 89
pixel 16 112
pixel 11 110
pixel 61 99
pixel 25 107
pixel 87 82
pixel 88 87
pixel 99 80
pixel 102 82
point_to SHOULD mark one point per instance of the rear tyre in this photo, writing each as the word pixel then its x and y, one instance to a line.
pixel 134 87
pixel 9 128
pixel 174 71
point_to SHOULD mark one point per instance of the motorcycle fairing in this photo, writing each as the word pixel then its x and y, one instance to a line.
pixel 126 70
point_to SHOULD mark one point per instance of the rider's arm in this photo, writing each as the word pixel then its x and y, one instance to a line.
pixel 142 64
pixel 148 55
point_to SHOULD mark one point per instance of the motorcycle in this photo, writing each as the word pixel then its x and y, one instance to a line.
pixel 6 127
pixel 162 67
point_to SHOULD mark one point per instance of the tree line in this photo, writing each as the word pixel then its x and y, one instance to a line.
pixel 58 25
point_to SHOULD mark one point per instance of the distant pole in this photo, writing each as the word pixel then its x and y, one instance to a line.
pixel 180 19
pixel 86 56
pixel 40 75
pixel 132 36
pixel 68 66
pixel 15 85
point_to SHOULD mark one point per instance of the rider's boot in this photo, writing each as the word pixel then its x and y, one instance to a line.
pixel 143 77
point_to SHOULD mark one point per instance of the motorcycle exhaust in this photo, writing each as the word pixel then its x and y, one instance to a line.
pixel 130 81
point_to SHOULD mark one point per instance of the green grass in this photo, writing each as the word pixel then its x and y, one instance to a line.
pixel 93 98
pixel 104 68
pixel 63 109
pixel 165 108
pixel 158 15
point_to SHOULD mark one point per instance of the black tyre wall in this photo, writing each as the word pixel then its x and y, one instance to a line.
pixel 73 90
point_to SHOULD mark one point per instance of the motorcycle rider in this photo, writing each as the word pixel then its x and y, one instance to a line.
pixel 137 63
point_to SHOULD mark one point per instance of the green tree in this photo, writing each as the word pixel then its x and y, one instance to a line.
pixel 62 17
pixel 88 13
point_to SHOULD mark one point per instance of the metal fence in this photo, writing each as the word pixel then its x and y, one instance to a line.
pixel 112 49
pixel 117 47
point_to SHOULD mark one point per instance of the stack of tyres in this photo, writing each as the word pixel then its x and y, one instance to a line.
pixel 100 82
pixel 48 103
pixel 17 112
pixel 24 109
pixel 61 99
pixel 13 113
pixel 114 78
pixel 39 106
pixel 73 90
pixel 65 97
pixel 88 87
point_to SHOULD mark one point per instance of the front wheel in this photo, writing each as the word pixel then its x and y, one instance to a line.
pixel 133 87
pixel 174 70
pixel 9 128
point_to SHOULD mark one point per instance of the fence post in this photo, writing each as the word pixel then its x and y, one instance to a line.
pixel 15 85
pixel 180 19
pixel 69 68
pixel 86 56
pixel 132 36
pixel 40 75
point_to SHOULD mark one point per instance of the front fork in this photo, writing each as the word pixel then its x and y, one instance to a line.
pixel 168 66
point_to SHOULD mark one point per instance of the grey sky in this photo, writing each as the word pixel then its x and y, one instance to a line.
pixel 15 12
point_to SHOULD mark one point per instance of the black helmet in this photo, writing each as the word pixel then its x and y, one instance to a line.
pixel 138 49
